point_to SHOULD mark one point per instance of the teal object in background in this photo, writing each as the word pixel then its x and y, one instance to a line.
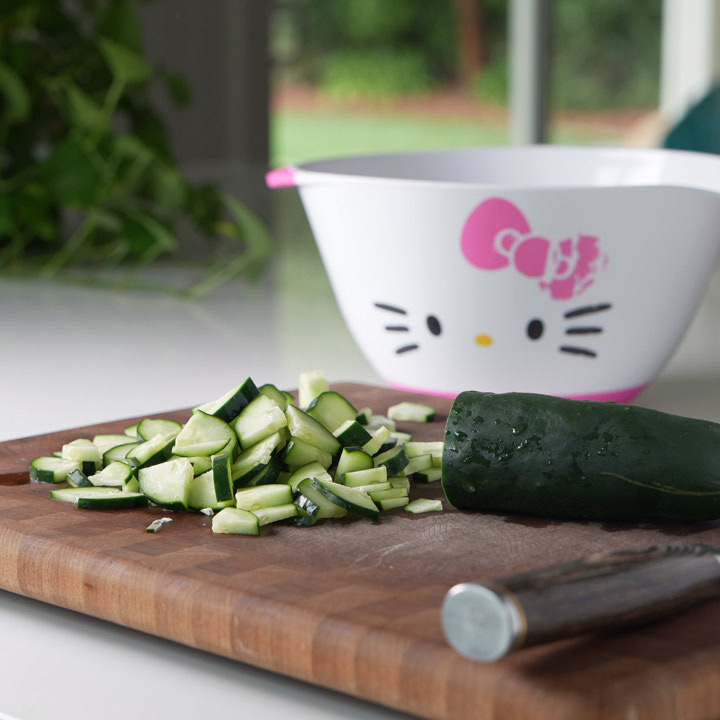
pixel 699 129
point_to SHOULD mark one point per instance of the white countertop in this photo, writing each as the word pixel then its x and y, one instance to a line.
pixel 75 355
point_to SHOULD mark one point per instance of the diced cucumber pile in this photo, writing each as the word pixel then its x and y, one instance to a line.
pixel 252 457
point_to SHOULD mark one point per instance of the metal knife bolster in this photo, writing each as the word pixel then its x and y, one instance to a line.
pixel 604 591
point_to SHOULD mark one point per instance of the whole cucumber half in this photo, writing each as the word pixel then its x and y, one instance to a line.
pixel 541 455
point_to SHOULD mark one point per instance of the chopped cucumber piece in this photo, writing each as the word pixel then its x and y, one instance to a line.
pixel 269 474
pixel 115 474
pixel 373 487
pixel 106 442
pixel 150 427
pixel 419 463
pixel 228 406
pixel 99 498
pixel 352 434
pixel 401 437
pixel 392 503
pixel 168 484
pixel 254 460
pixel 298 453
pixel 275 513
pixel 309 430
pixel 390 443
pixel 202 493
pixel 222 477
pixel 263 496
pixel 273 393
pixel 77 478
pixel 431 474
pixel 399 481
pixel 205 434
pixel 379 437
pixel 85 453
pixel 331 409
pixel 394 460
pixel 411 411
pixel 310 385
pixel 151 452
pixel 235 521
pixel 51 469
pixel 157 525
pixel 131 431
pixel 311 470
pixel 377 421
pixel 314 504
pixel 364 416
pixel 260 419
pixel 378 495
pixel 351 460
pixel 201 464
pixel 424 505
pixel 348 498
pixel 413 449
pixel 370 475
pixel 118 453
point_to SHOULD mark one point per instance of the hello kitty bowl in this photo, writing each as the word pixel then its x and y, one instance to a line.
pixel 558 270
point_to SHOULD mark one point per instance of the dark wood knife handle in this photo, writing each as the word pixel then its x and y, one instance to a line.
pixel 605 591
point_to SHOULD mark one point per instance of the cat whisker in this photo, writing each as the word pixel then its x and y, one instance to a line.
pixel 577 350
pixel 587 309
pixel 390 308
pixel 406 348
pixel 592 330
pixel 397 328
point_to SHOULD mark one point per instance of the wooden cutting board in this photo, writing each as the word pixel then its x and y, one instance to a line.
pixel 354 605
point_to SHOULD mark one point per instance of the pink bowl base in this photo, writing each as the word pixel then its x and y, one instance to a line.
pixel 621 396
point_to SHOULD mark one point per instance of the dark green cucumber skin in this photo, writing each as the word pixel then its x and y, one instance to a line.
pixel 541 455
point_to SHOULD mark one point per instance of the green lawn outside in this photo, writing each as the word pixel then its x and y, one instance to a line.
pixel 301 136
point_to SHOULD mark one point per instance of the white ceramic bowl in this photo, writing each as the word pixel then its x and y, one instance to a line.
pixel 559 270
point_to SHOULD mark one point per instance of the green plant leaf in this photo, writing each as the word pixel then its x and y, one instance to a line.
pixel 128 146
pixel 205 206
pixel 108 221
pixel 74 174
pixel 253 228
pixel 168 187
pixel 149 127
pixel 178 87
pixel 10 7
pixel 252 233
pixel 126 65
pixel 84 111
pixel 119 22
pixel 7 222
pixel 16 96
pixel 35 213
pixel 147 236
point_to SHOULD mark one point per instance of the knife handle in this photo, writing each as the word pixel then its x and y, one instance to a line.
pixel 604 591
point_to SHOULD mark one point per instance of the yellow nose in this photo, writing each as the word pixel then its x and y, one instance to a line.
pixel 483 340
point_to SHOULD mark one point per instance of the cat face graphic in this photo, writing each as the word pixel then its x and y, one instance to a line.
pixel 524 310
pixel 580 325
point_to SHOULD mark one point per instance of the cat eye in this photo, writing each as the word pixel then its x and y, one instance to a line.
pixel 535 329
pixel 433 324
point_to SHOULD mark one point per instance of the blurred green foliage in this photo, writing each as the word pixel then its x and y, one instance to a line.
pixel 87 174
pixel 604 54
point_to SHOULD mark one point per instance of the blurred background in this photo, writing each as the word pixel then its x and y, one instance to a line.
pixel 154 121
pixel 136 135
